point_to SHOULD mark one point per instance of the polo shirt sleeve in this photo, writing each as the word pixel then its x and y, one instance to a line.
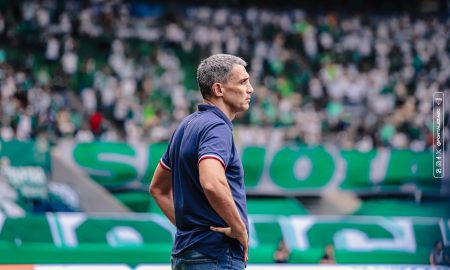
pixel 165 161
pixel 216 143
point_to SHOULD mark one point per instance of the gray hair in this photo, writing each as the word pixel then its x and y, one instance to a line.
pixel 215 69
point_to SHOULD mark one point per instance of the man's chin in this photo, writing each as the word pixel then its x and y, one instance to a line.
pixel 242 110
pixel 245 107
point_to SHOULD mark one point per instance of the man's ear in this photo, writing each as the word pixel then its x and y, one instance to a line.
pixel 217 90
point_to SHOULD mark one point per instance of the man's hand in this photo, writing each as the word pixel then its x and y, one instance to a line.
pixel 242 237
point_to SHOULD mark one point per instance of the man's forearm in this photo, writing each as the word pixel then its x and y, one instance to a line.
pixel 166 204
pixel 223 203
pixel 161 190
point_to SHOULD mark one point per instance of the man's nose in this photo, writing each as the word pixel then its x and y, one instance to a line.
pixel 250 88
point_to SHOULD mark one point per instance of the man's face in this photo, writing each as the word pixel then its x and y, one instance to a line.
pixel 237 90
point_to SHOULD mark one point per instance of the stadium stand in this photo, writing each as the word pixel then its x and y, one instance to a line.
pixel 137 71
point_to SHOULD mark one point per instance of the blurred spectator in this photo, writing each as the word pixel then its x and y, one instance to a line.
pixel 328 256
pixel 282 253
pixel 84 135
pixel 96 120
pixel 437 255
pixel 52 51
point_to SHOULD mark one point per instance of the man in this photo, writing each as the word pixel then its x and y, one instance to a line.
pixel 328 256
pixel 282 253
pixel 199 182
pixel 438 255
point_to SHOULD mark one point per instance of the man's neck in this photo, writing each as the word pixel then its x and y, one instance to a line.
pixel 221 107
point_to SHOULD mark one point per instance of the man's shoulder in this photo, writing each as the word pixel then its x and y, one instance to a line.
pixel 204 120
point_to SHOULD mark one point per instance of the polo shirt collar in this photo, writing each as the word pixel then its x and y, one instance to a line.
pixel 216 111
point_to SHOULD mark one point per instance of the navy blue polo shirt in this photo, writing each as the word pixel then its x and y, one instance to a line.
pixel 206 133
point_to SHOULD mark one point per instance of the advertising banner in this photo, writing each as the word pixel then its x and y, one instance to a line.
pixel 29 153
pixel 284 170
pixel 147 238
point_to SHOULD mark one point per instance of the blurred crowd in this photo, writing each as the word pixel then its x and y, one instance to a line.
pixel 123 71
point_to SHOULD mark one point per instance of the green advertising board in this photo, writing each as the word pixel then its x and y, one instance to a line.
pixel 147 238
pixel 285 170
pixel 26 153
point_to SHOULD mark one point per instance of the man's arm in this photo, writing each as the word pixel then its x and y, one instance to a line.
pixel 218 193
pixel 161 190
